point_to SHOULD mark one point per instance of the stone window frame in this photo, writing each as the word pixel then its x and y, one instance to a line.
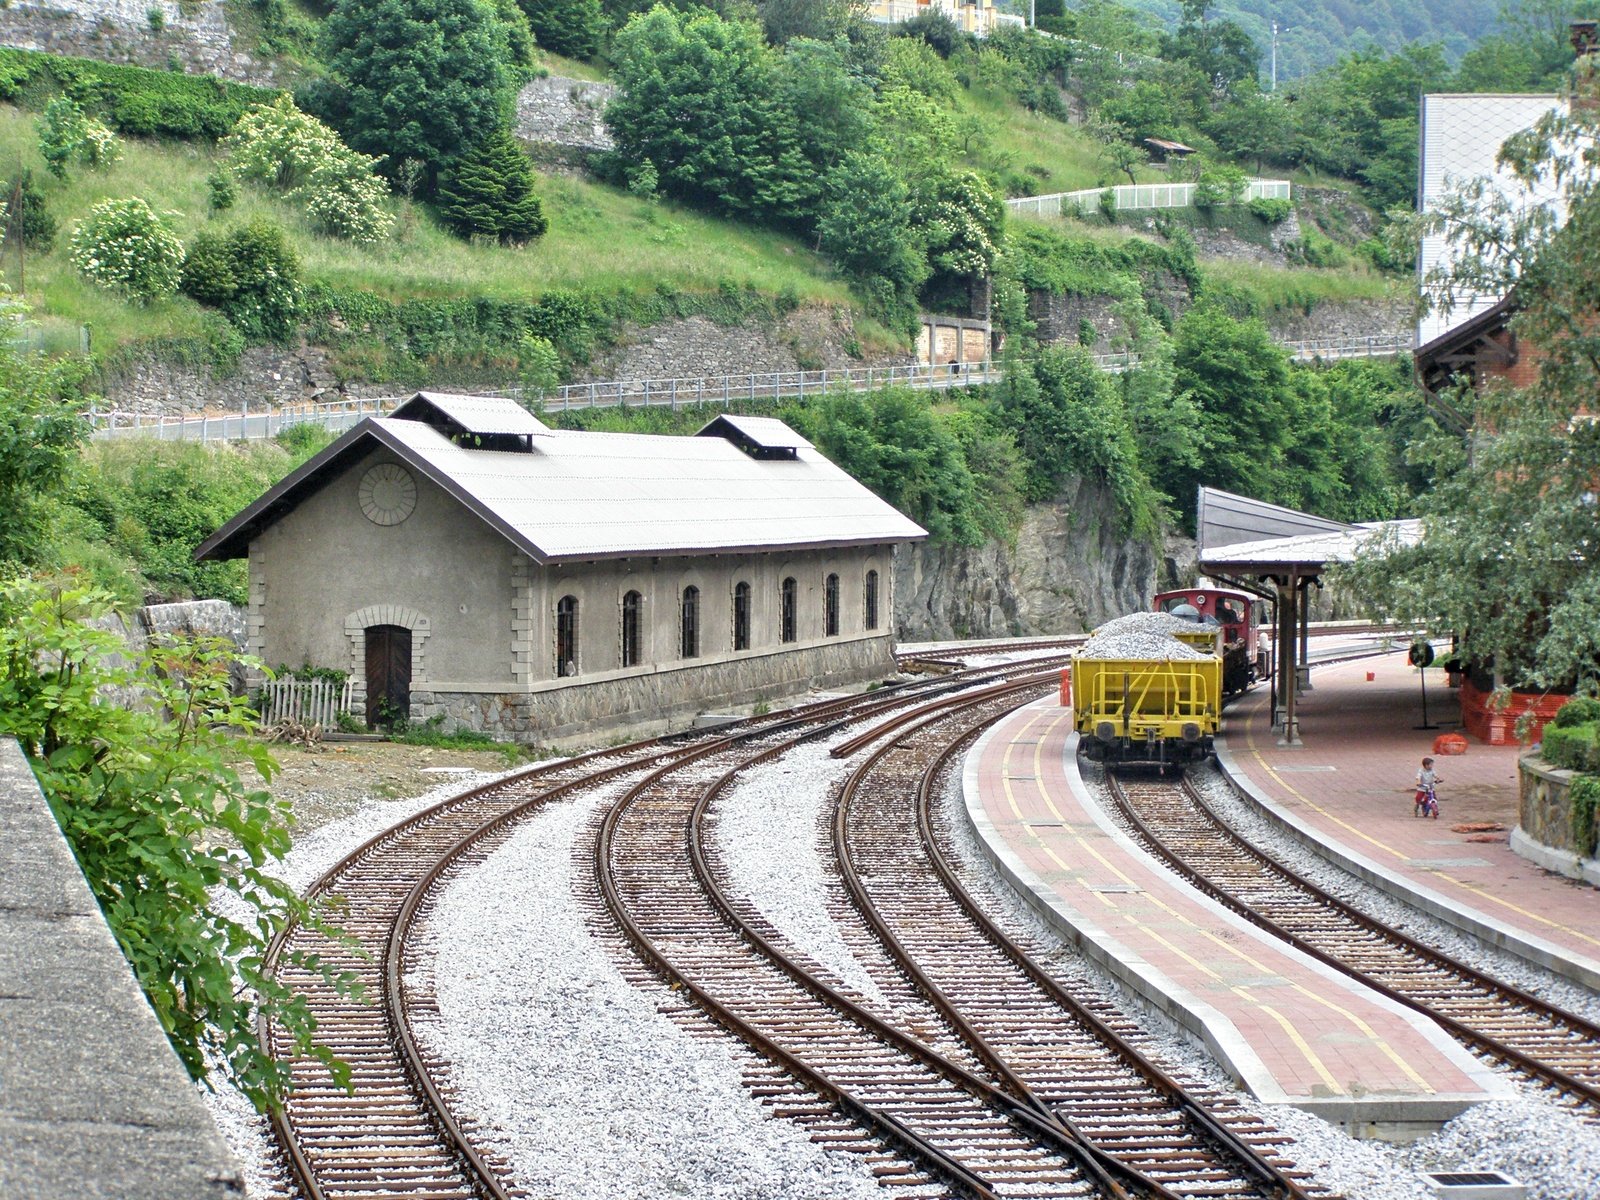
pixel 356 625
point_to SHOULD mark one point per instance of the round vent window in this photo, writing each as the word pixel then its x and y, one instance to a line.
pixel 388 494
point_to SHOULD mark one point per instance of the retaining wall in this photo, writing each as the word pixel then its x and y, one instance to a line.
pixel 93 1101
pixel 1544 820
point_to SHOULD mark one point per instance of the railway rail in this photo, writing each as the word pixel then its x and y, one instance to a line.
pixel 1174 822
pixel 395 1125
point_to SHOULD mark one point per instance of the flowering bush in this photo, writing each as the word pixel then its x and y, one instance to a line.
pixel 124 245
pixel 281 147
pixel 66 133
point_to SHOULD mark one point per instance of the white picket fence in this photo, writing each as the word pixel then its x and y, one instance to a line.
pixel 305 701
pixel 1137 196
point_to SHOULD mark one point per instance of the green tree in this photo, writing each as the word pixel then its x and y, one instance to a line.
pixel 158 816
pixel 700 101
pixel 1509 559
pixel 573 28
pixel 1239 379
pixel 867 227
pixel 489 191
pixel 418 79
pixel 27 219
pixel 252 274
pixel 819 20
pixel 1254 126
pixel 40 432
pixel 66 132
pixel 1144 110
pixel 961 218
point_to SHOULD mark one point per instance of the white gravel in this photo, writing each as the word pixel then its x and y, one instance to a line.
pixel 1142 635
pixel 575 1073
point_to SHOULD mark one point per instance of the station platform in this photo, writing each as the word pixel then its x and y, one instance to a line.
pixel 1289 1029
pixel 1347 790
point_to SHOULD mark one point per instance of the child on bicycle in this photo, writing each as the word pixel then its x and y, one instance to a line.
pixel 1427 802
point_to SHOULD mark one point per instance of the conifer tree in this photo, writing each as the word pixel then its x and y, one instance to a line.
pixel 490 191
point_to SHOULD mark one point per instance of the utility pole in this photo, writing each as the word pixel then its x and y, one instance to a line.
pixel 1274 56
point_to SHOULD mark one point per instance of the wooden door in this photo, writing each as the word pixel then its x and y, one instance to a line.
pixel 388 674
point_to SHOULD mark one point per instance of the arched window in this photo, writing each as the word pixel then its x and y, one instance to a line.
pixel 689 627
pixel 567 635
pixel 872 599
pixel 630 629
pixel 788 604
pixel 741 616
pixel 830 606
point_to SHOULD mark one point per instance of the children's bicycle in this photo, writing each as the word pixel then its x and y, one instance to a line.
pixel 1427 804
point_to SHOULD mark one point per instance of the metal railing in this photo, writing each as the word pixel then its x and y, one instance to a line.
pixel 725 392
pixel 1128 196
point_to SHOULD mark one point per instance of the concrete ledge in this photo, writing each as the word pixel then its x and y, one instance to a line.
pixel 1562 862
pixel 1485 928
pixel 93 1101
pixel 1397 1118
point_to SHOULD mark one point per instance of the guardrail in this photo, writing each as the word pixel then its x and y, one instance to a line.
pixel 1138 196
pixel 725 392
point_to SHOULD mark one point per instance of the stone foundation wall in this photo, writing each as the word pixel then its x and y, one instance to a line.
pixel 1544 820
pixel 652 703
pixel 119 31
pixel 266 377
pixel 565 112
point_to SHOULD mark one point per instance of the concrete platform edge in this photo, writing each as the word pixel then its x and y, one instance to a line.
pixel 1480 925
pixel 1404 1115
pixel 1562 862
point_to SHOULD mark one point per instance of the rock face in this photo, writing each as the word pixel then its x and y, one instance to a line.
pixel 557 111
pixel 1070 569
pixel 195 35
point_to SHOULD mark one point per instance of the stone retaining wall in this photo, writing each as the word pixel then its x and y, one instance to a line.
pixel 96 1102
pixel 669 698
pixel 557 111
pixel 1544 820
pixel 119 31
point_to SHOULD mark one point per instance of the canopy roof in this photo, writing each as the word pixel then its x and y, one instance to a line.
pixel 1242 537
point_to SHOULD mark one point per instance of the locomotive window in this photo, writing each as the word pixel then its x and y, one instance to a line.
pixel 1230 612
pixel 1172 602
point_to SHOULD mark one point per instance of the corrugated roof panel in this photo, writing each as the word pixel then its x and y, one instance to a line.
pixel 761 431
pixel 1312 550
pixel 1461 138
pixel 478 414
pixel 1227 519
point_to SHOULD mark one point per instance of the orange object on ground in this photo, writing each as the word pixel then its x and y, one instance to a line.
pixel 1497 726
pixel 1449 743
pixel 1066 687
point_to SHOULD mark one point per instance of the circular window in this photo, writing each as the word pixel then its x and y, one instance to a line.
pixel 388 494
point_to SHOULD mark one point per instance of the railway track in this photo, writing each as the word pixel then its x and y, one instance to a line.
pixel 1101 1122
pixel 1047 1047
pixel 396 1126
pixel 1545 1043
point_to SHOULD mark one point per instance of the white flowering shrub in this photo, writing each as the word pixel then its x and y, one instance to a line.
pixel 281 147
pixel 66 133
pixel 125 246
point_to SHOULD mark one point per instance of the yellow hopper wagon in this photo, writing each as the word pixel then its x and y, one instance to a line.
pixel 1143 693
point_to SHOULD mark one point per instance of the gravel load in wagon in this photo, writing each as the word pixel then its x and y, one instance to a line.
pixel 1142 635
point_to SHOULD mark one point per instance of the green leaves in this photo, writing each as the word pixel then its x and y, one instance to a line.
pixel 137 763
pixel 489 192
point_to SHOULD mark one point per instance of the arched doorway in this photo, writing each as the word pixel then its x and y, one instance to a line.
pixel 388 674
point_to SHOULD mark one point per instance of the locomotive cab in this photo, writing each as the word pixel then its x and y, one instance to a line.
pixel 1238 615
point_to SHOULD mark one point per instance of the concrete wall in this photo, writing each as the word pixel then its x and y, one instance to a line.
pixel 93 1102
pixel 483 616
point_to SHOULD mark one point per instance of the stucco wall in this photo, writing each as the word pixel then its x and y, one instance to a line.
pixel 325 562
pixel 483 616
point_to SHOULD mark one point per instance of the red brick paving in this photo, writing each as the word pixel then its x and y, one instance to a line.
pixel 1351 782
pixel 1291 1029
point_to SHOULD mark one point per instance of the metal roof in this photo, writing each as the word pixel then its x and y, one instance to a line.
pixel 1226 519
pixel 475 414
pixel 1306 552
pixel 1461 137
pixel 573 495
pixel 766 432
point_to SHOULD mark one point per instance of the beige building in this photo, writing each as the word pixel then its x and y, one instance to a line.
pixel 460 558
pixel 979 17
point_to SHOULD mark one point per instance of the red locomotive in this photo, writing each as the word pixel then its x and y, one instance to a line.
pixel 1244 658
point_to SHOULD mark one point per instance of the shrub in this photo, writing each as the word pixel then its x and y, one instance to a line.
pixel 1314 250
pixel 538 364
pixel 26 218
pixel 221 190
pixel 66 133
pixel 1273 212
pixel 251 274
pixel 280 146
pixel 1580 710
pixel 1585 799
pixel 125 246
pixel 1575 747
pixel 1218 185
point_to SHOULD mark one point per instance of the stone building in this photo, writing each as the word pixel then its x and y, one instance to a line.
pixel 460 558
